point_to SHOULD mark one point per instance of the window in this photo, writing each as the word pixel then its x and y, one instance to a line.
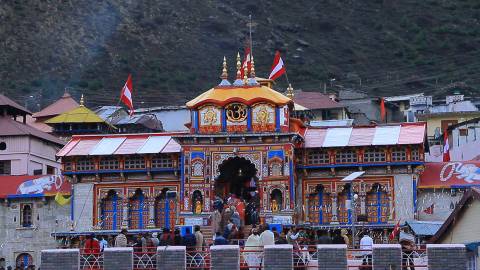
pixel 138 211
pixel 415 154
pixel 197 168
pixel 5 167
pixel 135 163
pixel 68 166
pixel 23 261
pixel 399 154
pixel 346 156
pixel 37 172
pixel 377 204
pixel 3 146
pixel 276 168
pixel 319 207
pixel 109 164
pixel 26 215
pixel 50 169
pixel 85 165
pixel 374 155
pixel 318 157
pixel 112 211
pixel 165 209
pixel 162 161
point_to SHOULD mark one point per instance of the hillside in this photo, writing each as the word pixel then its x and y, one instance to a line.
pixel 174 48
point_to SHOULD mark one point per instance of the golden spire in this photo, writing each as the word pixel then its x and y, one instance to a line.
pixel 224 70
pixel 239 66
pixel 82 101
pixel 245 74
pixel 290 93
pixel 252 69
pixel 224 75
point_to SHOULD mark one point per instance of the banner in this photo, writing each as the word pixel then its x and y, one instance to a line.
pixel 448 174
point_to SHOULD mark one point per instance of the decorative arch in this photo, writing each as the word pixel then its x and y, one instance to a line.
pixel 275 167
pixel 219 158
pixel 377 204
pixel 320 205
pixel 138 210
pixel 276 199
pixel 23 260
pixel 111 209
pixel 197 201
pixel 165 208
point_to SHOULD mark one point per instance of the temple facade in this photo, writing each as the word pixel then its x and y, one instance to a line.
pixel 243 141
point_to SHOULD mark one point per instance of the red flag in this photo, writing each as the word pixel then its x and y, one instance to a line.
pixel 429 210
pixel 278 68
pixel 247 61
pixel 446 147
pixel 126 95
pixel 383 113
pixel 395 231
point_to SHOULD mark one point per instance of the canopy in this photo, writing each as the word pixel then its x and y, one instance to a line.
pixel 450 174
pixel 33 186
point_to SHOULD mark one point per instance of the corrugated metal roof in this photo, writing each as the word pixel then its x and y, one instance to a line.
pixel 154 144
pixel 130 146
pixel 406 133
pixel 82 148
pixel 172 147
pixel 107 146
pixel 424 228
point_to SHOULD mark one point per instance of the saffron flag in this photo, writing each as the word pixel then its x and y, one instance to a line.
pixel 429 210
pixel 395 231
pixel 446 147
pixel 61 200
pixel 247 61
pixel 383 112
pixel 278 68
pixel 126 96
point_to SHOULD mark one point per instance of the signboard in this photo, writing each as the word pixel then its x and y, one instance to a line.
pixel 421 100
pixel 284 220
pixel 447 174
pixel 190 221
pixel 452 99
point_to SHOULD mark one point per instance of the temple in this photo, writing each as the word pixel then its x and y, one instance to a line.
pixel 244 141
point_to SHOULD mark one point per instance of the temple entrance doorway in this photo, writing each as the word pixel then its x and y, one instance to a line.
pixel 237 177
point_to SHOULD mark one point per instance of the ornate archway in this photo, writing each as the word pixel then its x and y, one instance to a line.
pixel 237 175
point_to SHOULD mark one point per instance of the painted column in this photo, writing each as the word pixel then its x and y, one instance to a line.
pixel 151 213
pixel 334 208
pixel 125 214
pixel 100 217
pixel 390 204
pixel 363 205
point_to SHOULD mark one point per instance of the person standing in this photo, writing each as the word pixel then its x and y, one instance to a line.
pixel 337 238
pixel 177 238
pixel 199 241
pixel 267 237
pixel 121 239
pixel 166 239
pixel 216 220
pixel 366 245
pixel 323 238
pixel 103 243
pixel 155 240
pixel 253 258
pixel 344 234
pixel 219 239
pixel 92 246
pixel 188 239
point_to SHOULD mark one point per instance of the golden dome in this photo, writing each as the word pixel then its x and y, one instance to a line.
pixel 244 94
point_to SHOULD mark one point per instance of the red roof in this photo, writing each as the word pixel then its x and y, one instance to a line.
pixel 6 102
pixel 28 185
pixel 65 103
pixel 315 100
pixel 395 134
pixel 10 127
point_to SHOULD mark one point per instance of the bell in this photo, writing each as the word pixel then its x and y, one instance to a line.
pixel 240 173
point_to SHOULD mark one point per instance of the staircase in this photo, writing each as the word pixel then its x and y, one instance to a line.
pixel 207 232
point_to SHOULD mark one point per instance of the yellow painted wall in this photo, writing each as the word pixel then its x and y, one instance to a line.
pixel 434 122
pixel 465 228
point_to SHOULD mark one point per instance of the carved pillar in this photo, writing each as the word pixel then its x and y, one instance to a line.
pixel 151 213
pixel 125 214
pixel 334 208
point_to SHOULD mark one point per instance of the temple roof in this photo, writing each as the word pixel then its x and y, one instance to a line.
pixel 245 94
pixel 12 107
pixel 64 104
pixel 80 114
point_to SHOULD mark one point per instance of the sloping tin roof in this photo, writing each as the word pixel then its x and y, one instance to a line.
pixel 64 104
pixel 121 144
pixel 80 114
pixel 425 228
pixel 405 133
pixel 6 102
pixel 10 127
pixel 315 100
pixel 247 95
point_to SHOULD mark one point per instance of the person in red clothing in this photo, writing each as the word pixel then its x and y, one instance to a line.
pixel 92 246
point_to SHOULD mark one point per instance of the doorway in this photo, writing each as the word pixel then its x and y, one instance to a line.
pixel 237 176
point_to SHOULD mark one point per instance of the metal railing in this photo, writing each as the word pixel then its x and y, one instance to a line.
pixel 251 258
pixel 145 260
pixel 198 258
pixel 305 257
pixel 416 259
pixel 91 260
pixel 359 259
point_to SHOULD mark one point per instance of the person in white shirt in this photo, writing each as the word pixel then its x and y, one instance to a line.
pixel 254 258
pixel 366 245
pixel 267 237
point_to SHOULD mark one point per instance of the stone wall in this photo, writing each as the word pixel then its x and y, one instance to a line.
pixel 47 217
pixel 278 257
pixel 83 206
